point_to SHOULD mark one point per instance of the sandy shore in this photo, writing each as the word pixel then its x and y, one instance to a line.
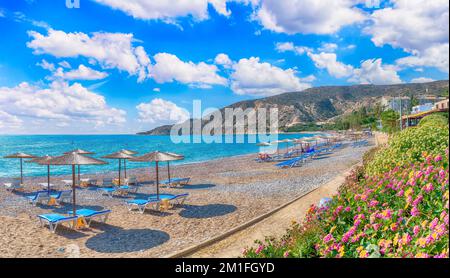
pixel 224 194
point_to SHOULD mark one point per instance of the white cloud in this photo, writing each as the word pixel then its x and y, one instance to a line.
pixel 329 62
pixel 82 73
pixel 161 112
pixel 307 16
pixel 374 72
pixel 251 77
pixel 65 64
pixel 46 65
pixel 223 60
pixel 110 50
pixel 167 10
pixel 371 71
pixel 169 68
pixel 328 47
pixel 422 80
pixel 8 121
pixel 289 46
pixel 58 103
pixel 420 27
pixel 434 56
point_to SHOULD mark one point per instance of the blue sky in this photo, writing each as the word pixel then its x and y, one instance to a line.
pixel 114 66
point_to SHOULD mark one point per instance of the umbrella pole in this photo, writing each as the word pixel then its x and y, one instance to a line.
pixel 74 209
pixel 21 171
pixel 120 163
pixel 79 180
pixel 157 181
pixel 125 167
pixel 48 179
pixel 168 170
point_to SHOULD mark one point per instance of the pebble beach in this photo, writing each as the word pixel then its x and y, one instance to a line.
pixel 223 194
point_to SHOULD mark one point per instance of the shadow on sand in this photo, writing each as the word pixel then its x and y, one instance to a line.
pixel 198 186
pixel 207 211
pixel 116 240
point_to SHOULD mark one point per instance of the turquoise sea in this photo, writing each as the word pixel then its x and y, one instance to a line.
pixel 54 145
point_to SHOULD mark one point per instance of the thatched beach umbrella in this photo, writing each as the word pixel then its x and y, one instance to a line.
pixel 125 160
pixel 83 152
pixel 157 157
pixel 20 156
pixel 176 157
pixel 74 159
pixel 287 141
pixel 43 161
pixel 119 156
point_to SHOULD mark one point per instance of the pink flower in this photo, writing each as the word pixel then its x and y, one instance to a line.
pixel 416 229
pixel 286 254
pixel 259 249
pixel 415 211
pixel 428 188
pixel 438 158
pixel 328 238
pixel 434 223
pixel 417 200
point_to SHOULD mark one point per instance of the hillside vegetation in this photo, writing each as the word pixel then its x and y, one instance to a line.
pixel 324 103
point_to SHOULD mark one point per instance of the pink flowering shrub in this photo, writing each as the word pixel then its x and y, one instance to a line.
pixel 401 212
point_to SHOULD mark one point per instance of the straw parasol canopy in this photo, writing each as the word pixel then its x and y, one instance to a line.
pixel 264 144
pixel 119 156
pixel 79 151
pixel 20 156
pixel 129 152
pixel 74 159
pixel 157 157
pixel 43 161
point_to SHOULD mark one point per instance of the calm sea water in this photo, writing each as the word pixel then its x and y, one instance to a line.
pixel 101 145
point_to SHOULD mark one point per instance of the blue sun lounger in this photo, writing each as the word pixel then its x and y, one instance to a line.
pixel 176 182
pixel 90 214
pixel 123 189
pixel 141 204
pixel 62 196
pixel 39 197
pixel 177 200
pixel 53 220
pixel 294 162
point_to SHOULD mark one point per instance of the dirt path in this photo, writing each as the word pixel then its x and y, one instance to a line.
pixel 275 225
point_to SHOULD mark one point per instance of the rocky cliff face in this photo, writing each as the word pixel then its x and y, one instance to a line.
pixel 324 103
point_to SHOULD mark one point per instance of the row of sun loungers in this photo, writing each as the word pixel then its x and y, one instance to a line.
pixel 360 144
pixel 312 153
pixel 110 188
pixel 89 215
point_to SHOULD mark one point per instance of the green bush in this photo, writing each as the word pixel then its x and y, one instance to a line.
pixel 407 147
pixel 439 119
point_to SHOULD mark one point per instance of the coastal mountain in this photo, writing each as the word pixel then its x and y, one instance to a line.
pixel 322 104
